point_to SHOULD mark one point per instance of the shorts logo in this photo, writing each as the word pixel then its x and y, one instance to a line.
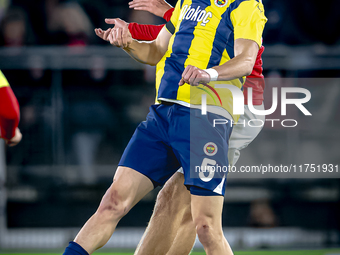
pixel 210 149
pixel 221 3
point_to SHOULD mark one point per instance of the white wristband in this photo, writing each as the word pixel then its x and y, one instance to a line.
pixel 213 74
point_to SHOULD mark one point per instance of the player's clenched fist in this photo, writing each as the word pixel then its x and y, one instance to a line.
pixel 194 76
pixel 15 140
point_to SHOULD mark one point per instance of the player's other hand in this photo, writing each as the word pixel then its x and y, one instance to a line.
pixel 118 23
pixel 156 7
pixel 103 34
pixel 120 37
pixel 16 139
pixel 194 76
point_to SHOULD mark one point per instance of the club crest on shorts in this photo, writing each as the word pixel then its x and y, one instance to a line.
pixel 221 3
pixel 210 149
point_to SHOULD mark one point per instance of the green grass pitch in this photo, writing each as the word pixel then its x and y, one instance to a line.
pixel 288 252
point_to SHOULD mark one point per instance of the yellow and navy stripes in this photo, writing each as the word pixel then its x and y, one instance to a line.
pixel 204 32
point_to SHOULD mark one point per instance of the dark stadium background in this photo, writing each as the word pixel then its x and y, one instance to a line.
pixel 76 91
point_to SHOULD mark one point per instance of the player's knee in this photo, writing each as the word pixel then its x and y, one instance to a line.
pixel 206 233
pixel 112 206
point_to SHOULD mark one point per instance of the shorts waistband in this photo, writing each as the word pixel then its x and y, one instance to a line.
pixel 167 103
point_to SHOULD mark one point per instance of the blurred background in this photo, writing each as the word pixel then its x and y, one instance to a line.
pixel 81 100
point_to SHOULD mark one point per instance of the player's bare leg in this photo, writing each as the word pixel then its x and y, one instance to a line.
pixel 170 222
pixel 206 214
pixel 128 187
pixel 186 235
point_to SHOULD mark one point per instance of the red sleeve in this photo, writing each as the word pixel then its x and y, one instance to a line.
pixel 258 69
pixel 9 113
pixel 144 32
pixel 148 32
pixel 168 14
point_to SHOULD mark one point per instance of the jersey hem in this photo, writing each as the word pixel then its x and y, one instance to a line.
pixel 210 108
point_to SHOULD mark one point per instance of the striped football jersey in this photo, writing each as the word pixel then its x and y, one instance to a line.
pixel 204 32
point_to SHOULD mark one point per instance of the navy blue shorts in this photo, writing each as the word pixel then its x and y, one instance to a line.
pixel 175 136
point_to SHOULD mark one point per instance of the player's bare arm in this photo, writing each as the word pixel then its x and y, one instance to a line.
pixel 241 65
pixel 243 62
pixel 150 52
pixel 145 52
pixel 156 7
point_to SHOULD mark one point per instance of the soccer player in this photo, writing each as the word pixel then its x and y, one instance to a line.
pixel 203 43
pixel 171 230
pixel 9 114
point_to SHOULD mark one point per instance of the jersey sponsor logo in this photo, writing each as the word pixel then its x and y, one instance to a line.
pixel 221 3
pixel 210 149
pixel 195 14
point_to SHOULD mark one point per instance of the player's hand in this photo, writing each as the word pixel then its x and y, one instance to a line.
pixel 116 22
pixel 120 37
pixel 103 34
pixel 16 139
pixel 194 76
pixel 156 7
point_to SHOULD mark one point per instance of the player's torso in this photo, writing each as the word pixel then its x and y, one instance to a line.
pixel 202 33
pixel 203 38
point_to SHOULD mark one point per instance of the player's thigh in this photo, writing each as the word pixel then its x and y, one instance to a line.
pixel 148 151
pixel 244 132
pixel 174 187
pixel 174 196
pixel 133 183
pixel 128 187
pixel 247 128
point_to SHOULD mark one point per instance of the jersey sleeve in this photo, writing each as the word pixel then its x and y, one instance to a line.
pixel 168 14
pixel 148 32
pixel 144 32
pixel 248 20
pixel 9 110
pixel 171 25
pixel 9 113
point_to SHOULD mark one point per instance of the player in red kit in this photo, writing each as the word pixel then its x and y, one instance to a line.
pixel 9 114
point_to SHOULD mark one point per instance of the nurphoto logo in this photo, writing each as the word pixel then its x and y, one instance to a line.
pixel 238 105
